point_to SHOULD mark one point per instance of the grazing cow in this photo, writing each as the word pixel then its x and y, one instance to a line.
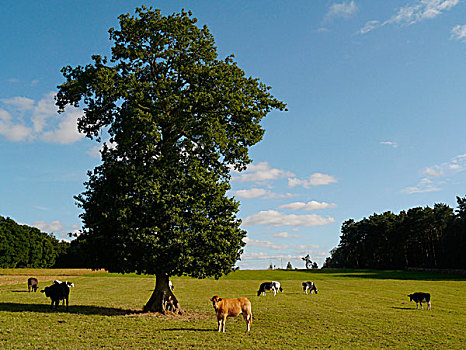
pixel 419 298
pixel 309 286
pixel 58 291
pixel 267 286
pixel 33 284
pixel 231 308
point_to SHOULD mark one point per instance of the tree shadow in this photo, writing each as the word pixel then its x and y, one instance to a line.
pixel 402 308
pixel 21 291
pixel 189 329
pixel 72 309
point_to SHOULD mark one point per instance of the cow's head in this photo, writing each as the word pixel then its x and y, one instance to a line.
pixel 46 290
pixel 215 300
pixel 410 297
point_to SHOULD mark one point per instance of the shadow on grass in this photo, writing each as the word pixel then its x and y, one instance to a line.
pixel 402 308
pixel 188 329
pixel 73 309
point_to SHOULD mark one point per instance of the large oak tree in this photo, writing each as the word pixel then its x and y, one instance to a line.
pixel 179 119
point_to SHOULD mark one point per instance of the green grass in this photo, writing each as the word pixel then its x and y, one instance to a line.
pixel 353 310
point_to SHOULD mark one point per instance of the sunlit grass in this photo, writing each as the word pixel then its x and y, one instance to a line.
pixel 363 310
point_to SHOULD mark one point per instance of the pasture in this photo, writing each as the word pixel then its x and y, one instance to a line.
pixel 353 310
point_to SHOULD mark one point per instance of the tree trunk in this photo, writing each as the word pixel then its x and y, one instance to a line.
pixel 162 299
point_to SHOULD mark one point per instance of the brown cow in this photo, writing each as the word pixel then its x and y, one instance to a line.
pixel 231 308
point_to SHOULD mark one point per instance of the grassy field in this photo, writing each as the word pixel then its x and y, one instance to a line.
pixel 353 310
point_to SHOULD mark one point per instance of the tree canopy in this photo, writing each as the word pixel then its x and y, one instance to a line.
pixel 179 120
pixel 421 237
pixel 26 246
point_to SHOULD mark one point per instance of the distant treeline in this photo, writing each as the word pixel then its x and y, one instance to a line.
pixel 26 246
pixel 420 237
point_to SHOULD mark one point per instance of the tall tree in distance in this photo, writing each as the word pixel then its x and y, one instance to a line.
pixel 179 119
pixel 308 261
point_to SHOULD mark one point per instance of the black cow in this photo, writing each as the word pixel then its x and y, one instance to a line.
pixel 420 297
pixel 33 284
pixel 309 286
pixel 58 291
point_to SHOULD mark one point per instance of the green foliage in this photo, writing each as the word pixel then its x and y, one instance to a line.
pixel 179 119
pixel 25 246
pixel 420 237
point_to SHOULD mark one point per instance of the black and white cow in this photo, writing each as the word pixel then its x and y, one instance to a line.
pixel 309 286
pixel 58 291
pixel 420 297
pixel 33 284
pixel 269 286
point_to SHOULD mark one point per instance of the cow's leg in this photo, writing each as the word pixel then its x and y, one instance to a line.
pixel 219 324
pixel 224 320
pixel 428 305
pixel 247 318
pixel 66 303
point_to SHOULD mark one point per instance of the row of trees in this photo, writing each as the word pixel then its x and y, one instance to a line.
pixel 25 246
pixel 420 237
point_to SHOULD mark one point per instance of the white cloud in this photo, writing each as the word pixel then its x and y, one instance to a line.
pixel 275 218
pixel 312 205
pixel 67 130
pixel 434 171
pixel 411 14
pixel 10 130
pixel 260 193
pixel 316 179
pixel 389 143
pixel 285 235
pixel 54 226
pixel 425 185
pixel 344 9
pixel 369 26
pixel 455 165
pixel 458 32
pixel 251 193
pixel 261 172
pixel 434 176
pixel 20 103
pixel 23 119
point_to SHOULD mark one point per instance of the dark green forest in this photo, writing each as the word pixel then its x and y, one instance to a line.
pixel 421 237
pixel 26 246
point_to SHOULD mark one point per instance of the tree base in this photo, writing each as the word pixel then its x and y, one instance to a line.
pixel 162 299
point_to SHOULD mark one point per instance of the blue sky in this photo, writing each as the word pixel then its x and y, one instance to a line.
pixel 376 92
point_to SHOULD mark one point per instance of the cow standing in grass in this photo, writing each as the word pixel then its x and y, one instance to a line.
pixel 274 286
pixel 33 284
pixel 231 308
pixel 58 291
pixel 419 298
pixel 309 286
